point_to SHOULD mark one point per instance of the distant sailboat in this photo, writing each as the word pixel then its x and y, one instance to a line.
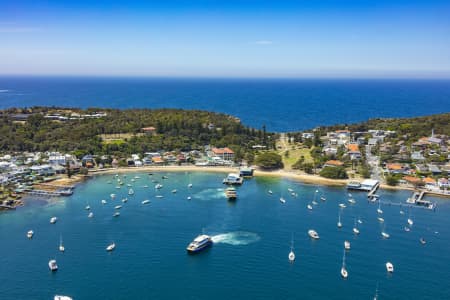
pixel 61 246
pixel 379 207
pixel 291 255
pixel 344 272
pixel 339 224
pixel 355 229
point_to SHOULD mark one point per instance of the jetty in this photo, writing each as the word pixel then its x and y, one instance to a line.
pixel 43 193
pixel 56 186
pixel 417 199
pixel 3 206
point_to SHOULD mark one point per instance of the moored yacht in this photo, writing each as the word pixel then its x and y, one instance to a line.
pixel 116 214
pixel 111 247
pixel 118 207
pixel 53 220
pixel 282 200
pixel 313 234
pixel 30 234
pixel 199 243
pixel 344 272
pixel 91 215
pixel 410 222
pixel 347 245
pixel 104 202
pixel 130 192
pixel 61 297
pixel 385 235
pixel 52 265
pixel 145 201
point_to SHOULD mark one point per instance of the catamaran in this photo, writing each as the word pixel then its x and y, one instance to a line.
pixel 201 242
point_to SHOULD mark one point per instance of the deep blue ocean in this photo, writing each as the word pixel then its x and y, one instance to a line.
pixel 280 104
pixel 252 238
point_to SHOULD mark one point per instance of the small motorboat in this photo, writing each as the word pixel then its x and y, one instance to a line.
pixel 116 214
pixel 385 235
pixel 313 234
pixel 360 221
pixel 323 198
pixel 352 201
pixel 390 267
pixel 347 245
pixel 53 220
pixel 344 272
pixel 314 202
pixel 91 215
pixel 88 207
pixel 30 234
pixel 174 191
pixel 355 230
pixel 190 185
pixel 158 186
pixel 111 247
pixel 104 202
pixel 410 222
pixel 407 229
pixel 52 265
pixel 130 192
pixel 422 241
pixel 309 206
pixel 145 201
pixel 118 207
pixel 270 192
pixel 112 196
pixel 380 219
pixel 124 200
pixel 342 205
pixel 189 197
pixel 282 200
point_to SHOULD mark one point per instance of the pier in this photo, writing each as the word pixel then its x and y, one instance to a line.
pixel 373 190
pixel 56 186
pixel 43 193
pixel 417 199
pixel 2 206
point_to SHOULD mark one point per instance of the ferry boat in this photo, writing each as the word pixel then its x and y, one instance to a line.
pixel 230 193
pixel 52 265
pixel 233 179
pixel 199 243
pixel 30 234
pixel 313 234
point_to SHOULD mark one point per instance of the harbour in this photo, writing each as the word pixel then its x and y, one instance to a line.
pixel 252 238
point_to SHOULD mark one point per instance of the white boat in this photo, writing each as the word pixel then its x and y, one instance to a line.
pixel 30 234
pixel 118 207
pixel 190 185
pixel 422 241
pixel 385 235
pixel 314 202
pixel 88 207
pixel 189 197
pixel 104 202
pixel 379 207
pixel 402 212
pixel 159 196
pixel 53 220
pixel 158 186
pixel 291 255
pixel 124 200
pixel 355 229
pixel 346 245
pixel 118 187
pixel 282 200
pixel 309 206
pixel 323 198
pixel 390 267
pixel 201 242
pixel 360 221
pixel 137 177
pixel 290 190
pixel 407 229
pixel 344 272
pixel 270 192
pixel 116 214
pixel 112 196
pixel 342 205
pixel 410 222
pixel 61 246
pixel 129 185
pixel 52 265
pixel 174 191
pixel 130 192
pixel 313 234
pixel 339 224
pixel 91 215
pixel 111 247
pixel 352 201
pixel 61 297
pixel 145 201
pixel 380 219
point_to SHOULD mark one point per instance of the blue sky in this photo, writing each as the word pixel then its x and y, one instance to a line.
pixel 309 38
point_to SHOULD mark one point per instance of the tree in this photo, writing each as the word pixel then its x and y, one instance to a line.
pixel 269 160
pixel 334 173
pixel 392 180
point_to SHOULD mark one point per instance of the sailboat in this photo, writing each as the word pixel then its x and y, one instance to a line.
pixel 384 234
pixel 344 272
pixel 379 207
pixel 339 224
pixel 355 229
pixel 291 255
pixel 410 221
pixel 314 202
pixel 61 246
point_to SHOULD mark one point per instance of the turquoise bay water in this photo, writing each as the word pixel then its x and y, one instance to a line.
pixel 249 259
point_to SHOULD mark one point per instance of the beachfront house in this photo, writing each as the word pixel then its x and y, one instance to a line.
pixel 333 163
pixel 443 183
pixel 223 153
pixel 43 170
